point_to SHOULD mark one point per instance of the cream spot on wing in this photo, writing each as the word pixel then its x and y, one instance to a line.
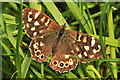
pixel 70 61
pixel 86 48
pixel 22 21
pixel 77 49
pixel 85 53
pixel 35 46
pixel 41 36
pixel 79 37
pixel 41 44
pixel 41 31
pixel 24 27
pixel 33 28
pixel 94 51
pixel 47 22
pixel 27 25
pixel 91 56
pixel 72 51
pixel 29 19
pixel 93 41
pixel 67 56
pixel 29 13
pixel 80 55
pixel 99 46
pixel 36 23
pixel 35 33
pixel 42 19
pixel 37 14
pixel 85 39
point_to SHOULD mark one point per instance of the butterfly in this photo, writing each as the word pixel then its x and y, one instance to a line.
pixel 48 38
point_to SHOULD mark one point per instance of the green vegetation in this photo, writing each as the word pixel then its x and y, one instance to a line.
pixel 101 20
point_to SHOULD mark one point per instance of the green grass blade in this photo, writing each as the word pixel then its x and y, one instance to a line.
pixel 71 75
pixel 78 15
pixel 25 66
pixel 36 72
pixel 19 39
pixel 111 35
pixel 102 24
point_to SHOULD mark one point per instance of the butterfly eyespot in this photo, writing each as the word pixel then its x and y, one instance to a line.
pixel 38 53
pixel 42 56
pixel 55 62
pixel 30 16
pixel 61 64
pixel 35 50
pixel 96 47
pixel 66 64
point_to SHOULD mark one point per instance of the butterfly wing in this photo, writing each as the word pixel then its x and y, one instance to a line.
pixel 39 27
pixel 86 46
pixel 61 61
pixel 76 44
pixel 36 23
pixel 41 48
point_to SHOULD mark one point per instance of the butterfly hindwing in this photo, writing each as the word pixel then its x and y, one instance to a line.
pixel 61 61
pixel 41 48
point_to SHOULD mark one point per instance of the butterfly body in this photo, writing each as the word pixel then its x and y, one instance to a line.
pixel 48 38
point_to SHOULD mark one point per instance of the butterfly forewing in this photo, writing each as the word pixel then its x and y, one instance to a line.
pixel 50 39
pixel 85 46
pixel 36 22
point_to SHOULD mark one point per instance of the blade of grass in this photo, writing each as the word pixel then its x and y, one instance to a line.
pixel 111 35
pixel 19 39
pixel 36 72
pixel 6 49
pixel 91 70
pixel 71 75
pixel 77 12
pixel 90 19
pixel 25 66
pixel 102 24
pixel 80 71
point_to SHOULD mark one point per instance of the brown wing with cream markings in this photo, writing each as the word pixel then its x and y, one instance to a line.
pixel 61 61
pixel 86 46
pixel 41 47
pixel 36 23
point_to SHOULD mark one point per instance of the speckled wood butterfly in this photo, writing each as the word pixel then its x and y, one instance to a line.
pixel 48 38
